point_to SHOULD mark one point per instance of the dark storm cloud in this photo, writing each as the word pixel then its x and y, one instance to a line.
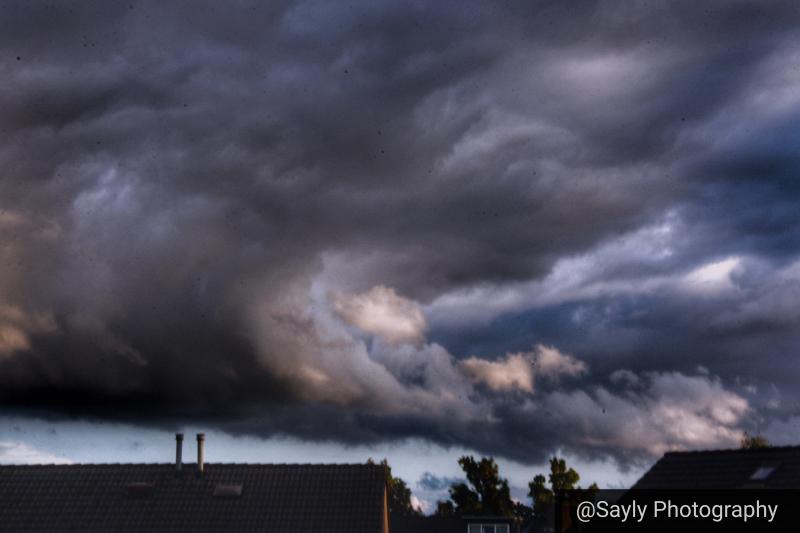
pixel 432 482
pixel 183 189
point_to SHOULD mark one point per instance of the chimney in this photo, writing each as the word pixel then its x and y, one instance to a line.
pixel 200 456
pixel 178 451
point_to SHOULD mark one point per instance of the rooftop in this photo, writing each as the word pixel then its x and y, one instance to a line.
pixel 241 497
pixel 774 467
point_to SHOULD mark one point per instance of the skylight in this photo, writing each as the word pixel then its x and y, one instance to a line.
pixel 227 491
pixel 762 473
pixel 140 489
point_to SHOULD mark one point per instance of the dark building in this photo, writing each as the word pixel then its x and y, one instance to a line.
pixel 194 497
pixel 774 467
pixel 453 524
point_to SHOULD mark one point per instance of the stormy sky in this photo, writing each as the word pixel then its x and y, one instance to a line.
pixel 508 227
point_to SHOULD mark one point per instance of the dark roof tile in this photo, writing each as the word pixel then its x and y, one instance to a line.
pixel 724 469
pixel 274 497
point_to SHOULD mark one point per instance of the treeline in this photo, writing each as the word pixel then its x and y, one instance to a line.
pixel 485 493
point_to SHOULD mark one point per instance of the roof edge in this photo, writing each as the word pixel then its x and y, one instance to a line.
pixel 735 450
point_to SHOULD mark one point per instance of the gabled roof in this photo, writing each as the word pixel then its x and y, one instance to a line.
pixel 776 467
pixel 226 497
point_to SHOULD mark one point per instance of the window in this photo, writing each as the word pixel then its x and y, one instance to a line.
pixel 762 473
pixel 488 528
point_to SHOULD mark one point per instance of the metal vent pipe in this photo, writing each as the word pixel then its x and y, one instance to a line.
pixel 178 451
pixel 200 452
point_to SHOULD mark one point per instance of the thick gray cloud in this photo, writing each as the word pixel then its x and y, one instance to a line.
pixel 199 208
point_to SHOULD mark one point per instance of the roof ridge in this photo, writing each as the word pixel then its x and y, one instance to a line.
pixel 172 465
pixel 734 450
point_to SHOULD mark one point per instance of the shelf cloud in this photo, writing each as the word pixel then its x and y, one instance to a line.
pixel 382 221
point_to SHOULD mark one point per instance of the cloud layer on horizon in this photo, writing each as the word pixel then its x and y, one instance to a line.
pixel 378 221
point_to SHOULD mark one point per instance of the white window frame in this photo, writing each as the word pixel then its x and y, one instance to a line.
pixel 483 527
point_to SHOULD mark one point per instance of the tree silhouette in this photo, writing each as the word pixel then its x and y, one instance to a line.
pixel 398 493
pixel 540 495
pixel 445 508
pixel 561 478
pixel 754 442
pixel 485 492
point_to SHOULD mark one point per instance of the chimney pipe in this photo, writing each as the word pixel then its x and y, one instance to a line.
pixel 200 456
pixel 178 451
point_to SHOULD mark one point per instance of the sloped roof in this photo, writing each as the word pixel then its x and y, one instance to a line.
pixel 725 469
pixel 152 497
